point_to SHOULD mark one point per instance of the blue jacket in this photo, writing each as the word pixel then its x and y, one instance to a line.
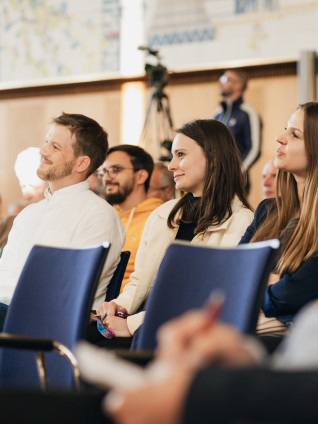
pixel 244 123
pixel 285 298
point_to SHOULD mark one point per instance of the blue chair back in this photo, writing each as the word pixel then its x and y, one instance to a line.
pixel 52 300
pixel 188 274
pixel 113 287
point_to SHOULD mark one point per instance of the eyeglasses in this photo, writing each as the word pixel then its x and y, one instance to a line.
pixel 112 172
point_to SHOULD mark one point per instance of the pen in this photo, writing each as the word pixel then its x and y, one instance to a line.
pixel 214 305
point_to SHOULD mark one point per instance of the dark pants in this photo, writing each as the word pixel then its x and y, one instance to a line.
pixel 95 337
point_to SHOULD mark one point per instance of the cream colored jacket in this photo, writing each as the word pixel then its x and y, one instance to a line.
pixel 156 238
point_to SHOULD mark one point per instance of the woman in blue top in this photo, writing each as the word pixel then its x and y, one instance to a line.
pixel 292 217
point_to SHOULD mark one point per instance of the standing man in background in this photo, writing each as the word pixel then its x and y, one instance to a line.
pixel 242 119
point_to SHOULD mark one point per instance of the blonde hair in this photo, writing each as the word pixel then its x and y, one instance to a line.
pixel 298 236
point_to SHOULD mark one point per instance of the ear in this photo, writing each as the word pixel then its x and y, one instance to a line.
pixel 142 175
pixel 82 164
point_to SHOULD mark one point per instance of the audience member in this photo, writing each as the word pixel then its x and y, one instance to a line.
pixel 292 218
pixel 25 167
pixel 269 179
pixel 207 372
pixel 16 207
pixel 96 184
pixel 205 157
pixel 70 215
pixel 241 118
pixel 5 228
pixel 127 171
pixel 162 183
pixel 32 188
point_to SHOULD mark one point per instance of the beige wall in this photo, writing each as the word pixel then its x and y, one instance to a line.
pixel 24 121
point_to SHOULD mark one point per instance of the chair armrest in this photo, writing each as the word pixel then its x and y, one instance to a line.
pixel 38 344
pixel 16 341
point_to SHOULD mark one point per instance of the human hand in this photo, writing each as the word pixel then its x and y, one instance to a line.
pixel 109 309
pixel 158 402
pixel 102 309
pixel 116 325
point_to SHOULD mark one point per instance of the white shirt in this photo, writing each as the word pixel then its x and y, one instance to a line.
pixel 72 217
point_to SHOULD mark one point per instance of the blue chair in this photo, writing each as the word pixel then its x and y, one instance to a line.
pixel 188 274
pixel 114 285
pixel 49 312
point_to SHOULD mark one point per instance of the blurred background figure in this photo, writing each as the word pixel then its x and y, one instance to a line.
pixel 162 184
pixel 15 207
pixel 32 188
pixel 25 167
pixel 96 183
pixel 269 179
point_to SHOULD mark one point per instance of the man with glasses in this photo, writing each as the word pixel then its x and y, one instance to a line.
pixel 242 119
pixel 127 171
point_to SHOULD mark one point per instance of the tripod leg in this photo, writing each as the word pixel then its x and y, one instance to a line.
pixel 149 107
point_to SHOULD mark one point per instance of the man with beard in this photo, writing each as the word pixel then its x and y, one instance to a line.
pixel 127 171
pixel 241 118
pixel 71 215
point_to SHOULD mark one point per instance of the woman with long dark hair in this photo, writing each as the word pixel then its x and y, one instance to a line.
pixel 213 211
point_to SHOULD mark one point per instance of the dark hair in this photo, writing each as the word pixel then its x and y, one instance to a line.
pixel 91 138
pixel 139 159
pixel 223 180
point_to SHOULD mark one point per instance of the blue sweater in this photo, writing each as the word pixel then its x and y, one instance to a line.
pixel 285 298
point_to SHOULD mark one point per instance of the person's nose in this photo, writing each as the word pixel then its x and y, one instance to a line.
pixel 172 164
pixel 44 150
pixel 266 181
pixel 281 139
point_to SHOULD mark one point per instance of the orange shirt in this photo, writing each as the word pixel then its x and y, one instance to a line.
pixel 133 222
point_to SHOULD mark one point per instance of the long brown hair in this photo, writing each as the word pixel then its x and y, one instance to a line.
pixel 223 180
pixel 299 237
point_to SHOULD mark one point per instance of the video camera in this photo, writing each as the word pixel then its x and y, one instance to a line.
pixel 158 75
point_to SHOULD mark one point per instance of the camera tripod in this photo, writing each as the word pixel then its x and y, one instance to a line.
pixel 157 133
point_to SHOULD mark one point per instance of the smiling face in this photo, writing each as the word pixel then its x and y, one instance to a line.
pixel 188 165
pixel 291 153
pixel 57 155
pixel 122 183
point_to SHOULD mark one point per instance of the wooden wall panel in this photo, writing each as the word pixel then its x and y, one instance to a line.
pixel 25 113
